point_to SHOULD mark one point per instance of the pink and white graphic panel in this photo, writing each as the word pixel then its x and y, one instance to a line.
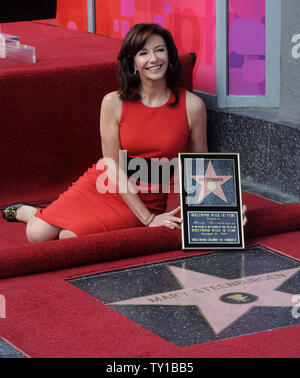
pixel 191 22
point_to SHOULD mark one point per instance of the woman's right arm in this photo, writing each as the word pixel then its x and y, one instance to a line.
pixel 111 110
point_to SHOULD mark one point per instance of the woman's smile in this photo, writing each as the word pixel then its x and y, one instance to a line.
pixel 155 68
pixel 152 58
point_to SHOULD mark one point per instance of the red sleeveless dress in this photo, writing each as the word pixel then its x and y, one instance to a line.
pixel 145 132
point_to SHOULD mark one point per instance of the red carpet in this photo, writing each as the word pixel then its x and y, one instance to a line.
pixel 20 257
pixel 49 125
pixel 48 317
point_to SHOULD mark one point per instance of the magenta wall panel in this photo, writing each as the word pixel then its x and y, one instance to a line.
pixel 247 47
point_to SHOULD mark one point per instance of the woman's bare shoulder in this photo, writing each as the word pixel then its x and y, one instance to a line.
pixel 196 110
pixel 113 104
pixel 194 102
pixel 112 99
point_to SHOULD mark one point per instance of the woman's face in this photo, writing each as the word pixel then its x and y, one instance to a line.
pixel 152 60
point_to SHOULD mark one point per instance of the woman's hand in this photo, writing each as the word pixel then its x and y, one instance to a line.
pixel 245 220
pixel 167 220
pixel 170 221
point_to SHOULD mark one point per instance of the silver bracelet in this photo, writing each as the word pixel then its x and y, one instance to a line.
pixel 149 220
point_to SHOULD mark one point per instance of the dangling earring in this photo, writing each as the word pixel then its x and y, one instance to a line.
pixel 170 66
pixel 136 73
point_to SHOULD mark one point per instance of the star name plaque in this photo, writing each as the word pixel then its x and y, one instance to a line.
pixel 210 199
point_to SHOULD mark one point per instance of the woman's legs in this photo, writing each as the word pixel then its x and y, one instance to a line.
pixel 38 230
pixel 66 234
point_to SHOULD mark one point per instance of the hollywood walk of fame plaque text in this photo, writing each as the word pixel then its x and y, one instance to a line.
pixel 210 197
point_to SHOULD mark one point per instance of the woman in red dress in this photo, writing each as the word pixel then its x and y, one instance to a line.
pixel 151 117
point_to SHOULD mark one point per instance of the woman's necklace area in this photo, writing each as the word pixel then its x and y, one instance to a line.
pixel 156 102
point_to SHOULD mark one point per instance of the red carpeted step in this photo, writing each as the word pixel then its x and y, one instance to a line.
pixel 20 257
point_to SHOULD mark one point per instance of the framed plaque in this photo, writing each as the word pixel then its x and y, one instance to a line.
pixel 210 199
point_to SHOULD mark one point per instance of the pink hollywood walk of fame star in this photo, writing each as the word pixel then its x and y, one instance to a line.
pixel 205 291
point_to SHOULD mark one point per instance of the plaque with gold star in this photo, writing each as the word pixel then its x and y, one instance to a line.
pixel 210 198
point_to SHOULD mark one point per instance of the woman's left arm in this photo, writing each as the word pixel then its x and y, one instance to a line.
pixel 197 119
pixel 196 114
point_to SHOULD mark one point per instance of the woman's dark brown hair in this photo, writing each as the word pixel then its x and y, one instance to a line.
pixel 132 44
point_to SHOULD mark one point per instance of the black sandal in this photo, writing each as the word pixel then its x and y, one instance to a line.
pixel 10 212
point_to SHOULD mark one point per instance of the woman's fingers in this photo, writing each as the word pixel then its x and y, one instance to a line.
pixel 172 222
pixel 245 220
pixel 174 211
